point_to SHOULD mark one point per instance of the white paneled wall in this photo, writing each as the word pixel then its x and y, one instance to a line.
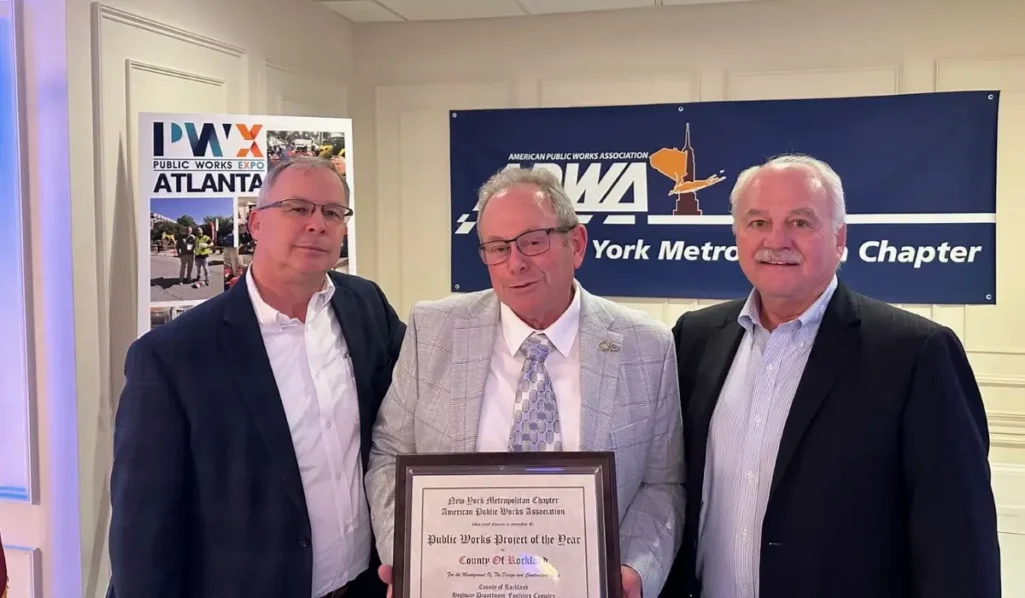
pixel 49 520
pixel 24 572
pixel 124 57
pixel 409 76
pixel 412 155
pixel 143 65
pixel 816 83
pixel 140 65
pixel 295 92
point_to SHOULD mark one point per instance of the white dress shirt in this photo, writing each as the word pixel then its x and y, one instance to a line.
pixel 743 440
pixel 318 391
pixel 563 365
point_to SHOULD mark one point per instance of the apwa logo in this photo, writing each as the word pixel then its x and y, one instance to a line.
pixel 207 140
pixel 680 165
pixel 619 189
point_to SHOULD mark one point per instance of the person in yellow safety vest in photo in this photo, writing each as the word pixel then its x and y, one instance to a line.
pixel 204 247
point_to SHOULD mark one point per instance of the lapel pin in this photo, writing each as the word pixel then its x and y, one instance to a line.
pixel 608 347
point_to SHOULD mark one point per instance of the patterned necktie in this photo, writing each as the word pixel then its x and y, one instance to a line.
pixel 536 414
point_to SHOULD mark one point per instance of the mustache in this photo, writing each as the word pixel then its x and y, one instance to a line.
pixel 779 256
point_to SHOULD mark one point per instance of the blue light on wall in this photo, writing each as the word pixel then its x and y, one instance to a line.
pixel 15 435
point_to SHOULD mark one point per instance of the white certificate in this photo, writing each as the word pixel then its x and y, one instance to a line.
pixel 516 534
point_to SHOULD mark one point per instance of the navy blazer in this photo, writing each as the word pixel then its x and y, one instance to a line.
pixel 882 486
pixel 206 492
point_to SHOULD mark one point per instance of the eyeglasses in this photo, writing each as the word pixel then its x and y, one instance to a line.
pixel 530 243
pixel 334 213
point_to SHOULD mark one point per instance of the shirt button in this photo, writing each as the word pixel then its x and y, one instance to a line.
pixel 758 419
pixel 769 367
pixel 304 542
pixel 338 476
pixel 327 424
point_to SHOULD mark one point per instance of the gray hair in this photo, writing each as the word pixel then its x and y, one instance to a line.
pixel 306 163
pixel 822 173
pixel 545 180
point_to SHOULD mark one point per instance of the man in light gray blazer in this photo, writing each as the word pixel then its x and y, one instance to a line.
pixel 605 376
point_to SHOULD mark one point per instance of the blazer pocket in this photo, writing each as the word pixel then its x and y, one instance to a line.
pixel 633 434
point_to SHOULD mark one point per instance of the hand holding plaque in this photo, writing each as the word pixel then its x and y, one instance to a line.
pixel 506 525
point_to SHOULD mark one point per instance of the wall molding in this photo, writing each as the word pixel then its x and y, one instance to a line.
pixel 1007 429
pixel 689 78
pixel 315 75
pixel 994 350
pixel 895 69
pixel 274 64
pixel 952 62
pixel 19 468
pixel 24 570
pixel 1009 484
pixel 1001 381
pixel 139 22
pixel 170 72
pixel 278 94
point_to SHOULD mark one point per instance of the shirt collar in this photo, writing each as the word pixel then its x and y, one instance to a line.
pixel 268 316
pixel 750 314
pixel 562 333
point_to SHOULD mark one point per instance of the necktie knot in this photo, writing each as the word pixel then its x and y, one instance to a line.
pixel 537 347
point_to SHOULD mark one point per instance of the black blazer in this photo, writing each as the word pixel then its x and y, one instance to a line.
pixel 882 485
pixel 206 492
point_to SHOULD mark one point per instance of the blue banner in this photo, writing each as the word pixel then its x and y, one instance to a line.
pixel 652 185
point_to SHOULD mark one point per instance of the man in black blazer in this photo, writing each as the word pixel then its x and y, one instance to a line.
pixel 243 432
pixel 835 445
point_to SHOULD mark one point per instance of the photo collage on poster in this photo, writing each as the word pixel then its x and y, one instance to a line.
pixel 200 178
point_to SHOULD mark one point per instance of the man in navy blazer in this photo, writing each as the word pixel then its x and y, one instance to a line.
pixel 836 446
pixel 243 432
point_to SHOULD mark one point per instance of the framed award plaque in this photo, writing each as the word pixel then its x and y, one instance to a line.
pixel 506 525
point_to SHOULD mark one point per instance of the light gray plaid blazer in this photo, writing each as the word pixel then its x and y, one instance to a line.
pixel 631 405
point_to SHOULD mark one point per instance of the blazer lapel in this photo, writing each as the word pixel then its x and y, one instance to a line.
pixel 600 355
pixel 243 345
pixel 473 343
pixel 836 341
pixel 344 305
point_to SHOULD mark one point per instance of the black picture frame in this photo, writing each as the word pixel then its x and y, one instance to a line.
pixel 599 464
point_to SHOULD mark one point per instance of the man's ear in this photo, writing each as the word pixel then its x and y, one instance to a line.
pixel 841 240
pixel 254 223
pixel 578 241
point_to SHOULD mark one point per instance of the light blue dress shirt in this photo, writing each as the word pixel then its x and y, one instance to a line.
pixel 743 439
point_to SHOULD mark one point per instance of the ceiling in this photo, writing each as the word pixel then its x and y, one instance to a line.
pixel 383 11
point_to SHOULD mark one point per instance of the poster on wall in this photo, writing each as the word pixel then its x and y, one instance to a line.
pixel 652 186
pixel 199 177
